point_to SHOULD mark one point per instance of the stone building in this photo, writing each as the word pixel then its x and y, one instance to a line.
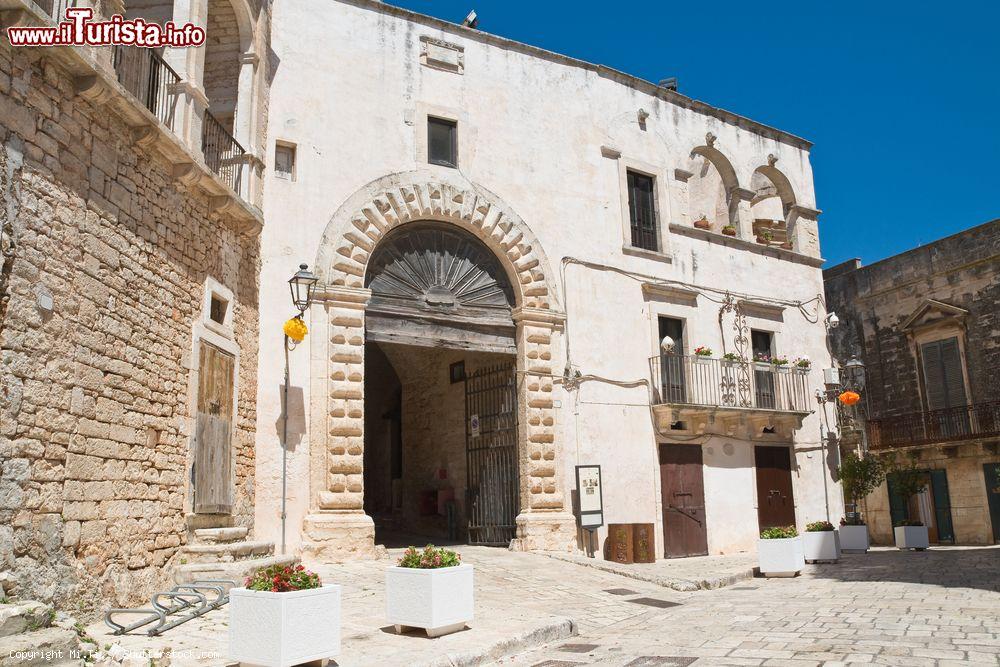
pixel 130 188
pixel 504 236
pixel 926 325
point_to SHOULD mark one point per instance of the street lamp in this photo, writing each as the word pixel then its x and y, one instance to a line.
pixel 301 287
pixel 854 373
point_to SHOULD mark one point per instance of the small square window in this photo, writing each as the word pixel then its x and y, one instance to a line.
pixel 442 142
pixel 456 372
pixel 284 161
pixel 217 309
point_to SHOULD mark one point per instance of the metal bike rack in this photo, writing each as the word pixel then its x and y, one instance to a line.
pixel 192 599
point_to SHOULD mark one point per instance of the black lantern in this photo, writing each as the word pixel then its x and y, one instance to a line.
pixel 301 285
pixel 854 373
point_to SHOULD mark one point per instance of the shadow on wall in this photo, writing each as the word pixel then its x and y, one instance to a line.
pixel 950 567
pixel 296 411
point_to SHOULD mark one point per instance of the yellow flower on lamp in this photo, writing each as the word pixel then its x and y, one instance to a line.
pixel 296 329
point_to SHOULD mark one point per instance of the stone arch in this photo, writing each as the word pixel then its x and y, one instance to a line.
pixel 772 204
pixel 712 187
pixel 397 199
pixel 337 526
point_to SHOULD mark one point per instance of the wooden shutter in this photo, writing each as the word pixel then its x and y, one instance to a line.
pixel 213 432
pixel 642 211
pixel 943 381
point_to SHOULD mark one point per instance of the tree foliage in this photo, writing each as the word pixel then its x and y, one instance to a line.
pixel 860 475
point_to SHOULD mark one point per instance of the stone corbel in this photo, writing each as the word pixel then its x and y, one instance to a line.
pixel 611 153
pixel 145 136
pixel 805 212
pixel 93 89
pixel 187 173
pixel 742 194
pixel 682 175
pixel 16 18
pixel 221 204
pixel 192 90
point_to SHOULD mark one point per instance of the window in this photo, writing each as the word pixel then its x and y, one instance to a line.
pixel 672 385
pixel 284 161
pixel 642 211
pixel 217 309
pixel 762 345
pixel 943 381
pixel 442 142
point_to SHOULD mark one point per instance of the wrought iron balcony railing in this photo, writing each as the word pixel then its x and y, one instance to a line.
pixel 223 154
pixel 145 74
pixel 702 381
pixel 55 8
pixel 968 422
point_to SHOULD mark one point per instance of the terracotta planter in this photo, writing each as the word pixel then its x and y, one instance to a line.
pixel 702 224
pixel 728 232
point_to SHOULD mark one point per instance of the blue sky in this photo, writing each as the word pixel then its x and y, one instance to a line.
pixel 901 99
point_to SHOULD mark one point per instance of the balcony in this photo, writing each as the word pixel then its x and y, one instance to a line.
pixel 968 423
pixel 699 395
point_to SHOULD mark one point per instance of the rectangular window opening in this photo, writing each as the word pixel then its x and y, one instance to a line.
pixel 642 211
pixel 284 161
pixel 442 142
pixel 217 309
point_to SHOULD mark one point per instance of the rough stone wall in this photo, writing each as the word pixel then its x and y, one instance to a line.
pixel 94 428
pixel 222 60
pixel 961 270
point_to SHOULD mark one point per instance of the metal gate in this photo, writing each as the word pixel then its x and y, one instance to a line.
pixel 491 454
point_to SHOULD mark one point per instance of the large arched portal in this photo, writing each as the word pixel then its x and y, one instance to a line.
pixel 431 269
pixel 440 439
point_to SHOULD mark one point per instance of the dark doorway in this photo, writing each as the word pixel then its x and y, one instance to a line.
pixel 762 343
pixel 932 506
pixel 775 502
pixel 672 385
pixel 992 473
pixel 491 449
pixel 682 491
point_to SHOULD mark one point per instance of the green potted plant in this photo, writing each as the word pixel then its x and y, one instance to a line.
pixel 277 606
pixel 780 364
pixel 703 355
pixel 779 552
pixel 820 542
pixel 762 361
pixel 729 230
pixel 430 589
pixel 858 477
pixel 802 364
pixel 732 359
pixel 765 237
pixel 908 481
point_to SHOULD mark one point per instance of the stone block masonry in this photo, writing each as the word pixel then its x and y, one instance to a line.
pixel 95 390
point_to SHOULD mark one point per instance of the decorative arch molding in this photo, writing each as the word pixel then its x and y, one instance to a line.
pixel 783 187
pixel 393 200
pixel 337 527
pixel 722 163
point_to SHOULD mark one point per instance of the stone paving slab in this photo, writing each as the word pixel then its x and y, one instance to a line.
pixel 939 607
pixel 679 574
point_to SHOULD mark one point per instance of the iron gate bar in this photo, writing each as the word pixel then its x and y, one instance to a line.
pixel 491 456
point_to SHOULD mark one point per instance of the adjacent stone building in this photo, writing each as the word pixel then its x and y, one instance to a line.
pixel 926 325
pixel 128 304
pixel 504 238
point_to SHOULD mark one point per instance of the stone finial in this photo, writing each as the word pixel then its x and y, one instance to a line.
pixel 772 159
pixel 710 139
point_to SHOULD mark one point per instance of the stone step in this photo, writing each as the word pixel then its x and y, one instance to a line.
pixel 47 646
pixel 226 552
pixel 24 616
pixel 236 571
pixel 219 535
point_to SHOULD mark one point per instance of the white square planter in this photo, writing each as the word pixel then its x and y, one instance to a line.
pixel 438 600
pixel 820 545
pixel 781 558
pixel 283 629
pixel 854 538
pixel 911 537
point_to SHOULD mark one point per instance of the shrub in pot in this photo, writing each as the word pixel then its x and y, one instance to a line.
pixel 430 589
pixel 909 481
pixel 284 616
pixel 779 552
pixel 820 542
pixel 858 476
pixel 729 230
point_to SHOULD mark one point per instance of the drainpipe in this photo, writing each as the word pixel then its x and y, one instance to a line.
pixel 284 451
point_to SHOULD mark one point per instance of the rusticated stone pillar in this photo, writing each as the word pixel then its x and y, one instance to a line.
pixel 543 522
pixel 337 527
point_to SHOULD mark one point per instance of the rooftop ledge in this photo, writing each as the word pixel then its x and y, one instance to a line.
pixel 742 244
pixel 100 86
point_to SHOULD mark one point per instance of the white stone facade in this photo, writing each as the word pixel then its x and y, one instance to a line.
pixel 544 147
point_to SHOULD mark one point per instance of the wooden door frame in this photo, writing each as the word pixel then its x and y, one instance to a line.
pixel 791 478
pixel 671 446
pixel 221 336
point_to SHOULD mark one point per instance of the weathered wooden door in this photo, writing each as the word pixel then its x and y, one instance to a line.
pixel 775 502
pixel 491 455
pixel 214 431
pixel 992 473
pixel 682 490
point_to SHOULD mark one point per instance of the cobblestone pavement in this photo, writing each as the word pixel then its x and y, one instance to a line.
pixel 939 607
